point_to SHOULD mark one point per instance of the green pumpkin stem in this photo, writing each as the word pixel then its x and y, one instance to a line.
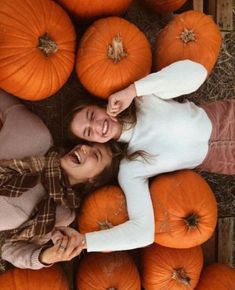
pixel 116 51
pixel 47 45
pixel 180 275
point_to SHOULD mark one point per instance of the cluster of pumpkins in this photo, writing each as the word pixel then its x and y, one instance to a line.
pixel 38 51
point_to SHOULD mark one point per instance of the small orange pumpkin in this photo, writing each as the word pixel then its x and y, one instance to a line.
pixel 185 209
pixel 102 209
pixel 165 6
pixel 190 35
pixel 113 53
pixel 43 279
pixel 166 268
pixel 87 9
pixel 37 48
pixel 217 277
pixel 107 272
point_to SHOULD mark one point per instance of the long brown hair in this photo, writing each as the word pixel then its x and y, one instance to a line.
pixel 128 116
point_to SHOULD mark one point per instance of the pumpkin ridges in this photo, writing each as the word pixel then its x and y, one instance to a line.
pixel 92 9
pixel 90 51
pixel 43 279
pixel 208 40
pixel 174 201
pixel 159 265
pixel 106 204
pixel 107 271
pixel 52 20
pixel 217 276
pixel 165 6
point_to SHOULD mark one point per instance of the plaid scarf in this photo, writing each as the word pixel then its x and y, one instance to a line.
pixel 18 176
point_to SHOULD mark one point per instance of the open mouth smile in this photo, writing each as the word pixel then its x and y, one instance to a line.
pixel 75 157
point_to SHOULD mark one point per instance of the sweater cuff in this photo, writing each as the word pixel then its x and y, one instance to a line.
pixel 36 264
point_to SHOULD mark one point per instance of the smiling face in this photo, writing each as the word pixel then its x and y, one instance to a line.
pixel 93 124
pixel 85 162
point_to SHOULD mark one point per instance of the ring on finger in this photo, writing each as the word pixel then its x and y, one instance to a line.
pixel 63 247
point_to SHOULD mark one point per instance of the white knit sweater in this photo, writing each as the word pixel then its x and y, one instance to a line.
pixel 174 134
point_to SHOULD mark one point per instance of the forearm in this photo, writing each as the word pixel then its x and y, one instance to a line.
pixel 179 78
pixel 23 255
pixel 130 235
pixel 135 233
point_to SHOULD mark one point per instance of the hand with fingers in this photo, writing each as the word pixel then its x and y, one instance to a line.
pixel 121 100
pixel 68 243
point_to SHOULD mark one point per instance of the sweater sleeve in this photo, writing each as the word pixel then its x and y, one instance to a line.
pixel 135 233
pixel 7 101
pixel 23 255
pixel 181 77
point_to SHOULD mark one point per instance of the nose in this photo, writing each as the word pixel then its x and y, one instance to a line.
pixel 98 126
pixel 85 149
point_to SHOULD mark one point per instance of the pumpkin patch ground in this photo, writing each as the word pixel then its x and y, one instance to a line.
pixel 219 85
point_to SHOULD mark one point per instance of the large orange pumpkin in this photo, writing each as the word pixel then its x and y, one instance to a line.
pixel 37 45
pixel 107 272
pixel 165 268
pixel 190 35
pixel 185 209
pixel 102 209
pixel 217 277
pixel 113 53
pixel 165 6
pixel 25 279
pixel 89 9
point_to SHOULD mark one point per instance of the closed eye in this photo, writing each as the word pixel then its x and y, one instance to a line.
pixel 87 132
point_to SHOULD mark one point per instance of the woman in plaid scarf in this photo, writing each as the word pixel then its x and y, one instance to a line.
pixel 40 192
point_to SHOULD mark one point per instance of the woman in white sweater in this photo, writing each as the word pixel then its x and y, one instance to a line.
pixel 167 136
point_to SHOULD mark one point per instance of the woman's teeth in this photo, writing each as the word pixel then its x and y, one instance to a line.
pixel 105 127
pixel 78 156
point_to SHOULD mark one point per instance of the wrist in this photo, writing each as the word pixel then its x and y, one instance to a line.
pixel 84 245
pixel 42 258
pixel 132 91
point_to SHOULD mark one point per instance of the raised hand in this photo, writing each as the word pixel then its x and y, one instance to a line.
pixel 121 100
pixel 68 243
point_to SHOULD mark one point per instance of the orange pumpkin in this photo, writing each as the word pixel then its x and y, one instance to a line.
pixel 37 48
pixel 87 9
pixel 165 6
pixel 217 277
pixel 25 279
pixel 165 268
pixel 190 35
pixel 107 272
pixel 185 209
pixel 102 209
pixel 113 53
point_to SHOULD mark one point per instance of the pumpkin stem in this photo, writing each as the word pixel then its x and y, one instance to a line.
pixel 192 220
pixel 105 225
pixel 181 276
pixel 47 45
pixel 112 288
pixel 115 50
pixel 187 35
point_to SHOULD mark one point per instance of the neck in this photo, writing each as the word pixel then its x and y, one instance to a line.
pixel 119 132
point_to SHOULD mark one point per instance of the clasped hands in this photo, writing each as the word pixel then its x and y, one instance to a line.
pixel 68 243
